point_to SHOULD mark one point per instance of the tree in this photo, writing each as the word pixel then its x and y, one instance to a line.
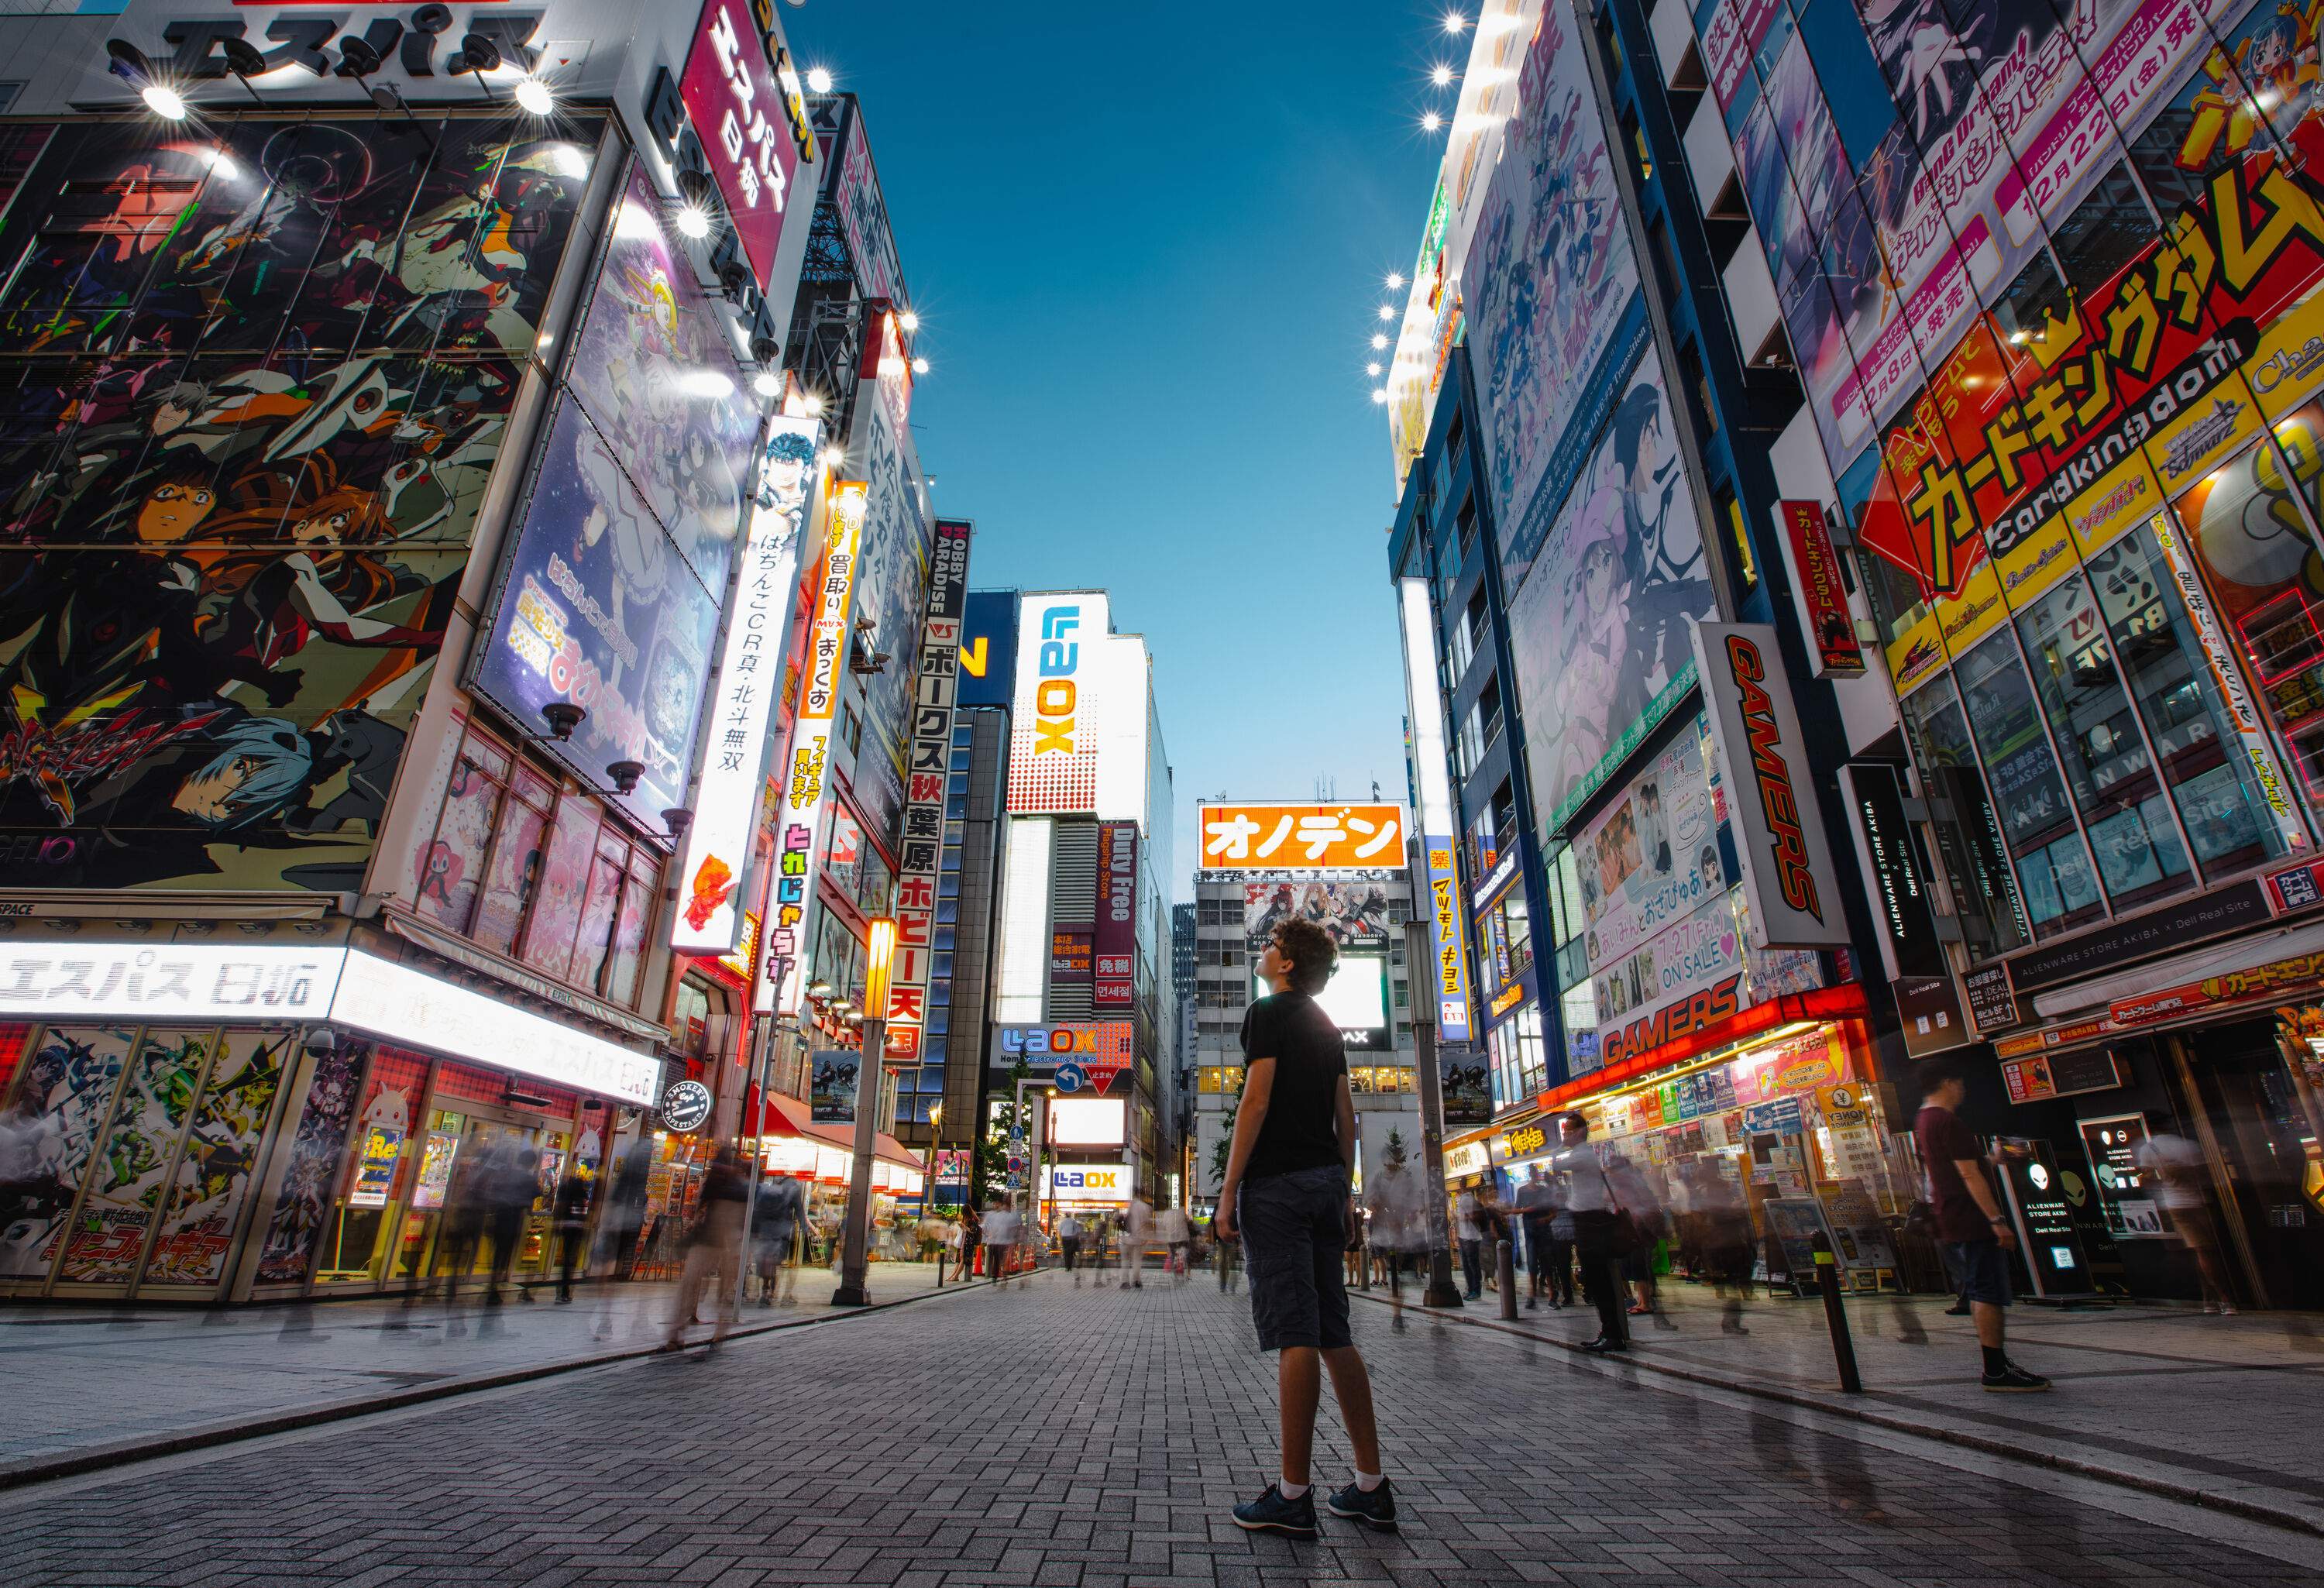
pixel 1226 1137
pixel 990 1169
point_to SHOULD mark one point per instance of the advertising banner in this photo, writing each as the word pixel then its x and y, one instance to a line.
pixel 1464 1077
pixel 203 1202
pixel 1354 913
pixel 988 649
pixel 891 579
pixel 1115 943
pixel 1299 838
pixel 110 1227
pixel 1555 317
pixel 1438 854
pixel 804 789
pixel 1078 1053
pixel 750 677
pixel 1779 836
pixel 1696 972
pixel 610 595
pixel 831 1085
pixel 1818 591
pixel 742 101
pixel 1053 734
pixel 1598 629
pixel 1069 956
pixel 919 850
pixel 1654 855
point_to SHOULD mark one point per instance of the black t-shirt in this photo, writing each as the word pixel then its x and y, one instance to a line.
pixel 1302 1127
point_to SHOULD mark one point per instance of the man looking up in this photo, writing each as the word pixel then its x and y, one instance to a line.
pixel 1286 1194
pixel 1971 1230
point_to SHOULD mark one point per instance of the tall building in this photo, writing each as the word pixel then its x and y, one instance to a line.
pixel 1182 1047
pixel 1993 420
pixel 392 687
pixel 1081 975
pixel 1344 867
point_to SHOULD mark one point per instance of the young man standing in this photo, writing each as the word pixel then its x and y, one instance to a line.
pixel 1286 1194
pixel 1971 1228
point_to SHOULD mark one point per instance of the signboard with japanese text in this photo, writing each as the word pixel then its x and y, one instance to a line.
pixel 1779 836
pixel 1114 942
pixel 1449 927
pixel 135 982
pixel 735 92
pixel 920 852
pixel 750 677
pixel 805 788
pixel 1239 836
pixel 1819 591
pixel 1446 906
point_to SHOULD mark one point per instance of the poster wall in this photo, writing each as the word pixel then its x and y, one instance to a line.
pixel 260 377
pixel 1354 913
pixel 612 591
pixel 1600 627
pixel 204 1201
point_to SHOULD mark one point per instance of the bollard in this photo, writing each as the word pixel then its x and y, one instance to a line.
pixel 1835 1315
pixel 1366 1249
pixel 1504 1270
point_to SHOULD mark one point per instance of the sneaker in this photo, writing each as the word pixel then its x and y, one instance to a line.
pixel 2017 1381
pixel 1271 1513
pixel 1376 1509
pixel 2227 1309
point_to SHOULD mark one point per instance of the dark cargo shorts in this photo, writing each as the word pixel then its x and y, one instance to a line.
pixel 1293 1241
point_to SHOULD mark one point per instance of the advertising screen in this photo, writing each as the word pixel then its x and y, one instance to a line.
pixel 1356 998
pixel 1087 1122
pixel 1352 912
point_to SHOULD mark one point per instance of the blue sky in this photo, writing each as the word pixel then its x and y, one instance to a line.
pixel 1147 245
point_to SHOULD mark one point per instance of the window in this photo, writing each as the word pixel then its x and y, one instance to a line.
pixel 2054 870
pixel 1466 522
pixel 1746 569
pixel 851 727
pixel 1488 707
pixel 514 879
pixel 1969 833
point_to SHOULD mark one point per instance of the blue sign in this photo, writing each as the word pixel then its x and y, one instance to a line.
pixel 1071 1077
pixel 988 649
pixel 1774 1119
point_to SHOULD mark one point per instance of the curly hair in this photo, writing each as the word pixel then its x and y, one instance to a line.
pixel 1313 954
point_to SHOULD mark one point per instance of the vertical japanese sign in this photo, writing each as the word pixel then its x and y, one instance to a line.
pixel 1816 584
pixel 1115 947
pixel 1423 710
pixel 791 907
pixel 750 676
pixel 920 851
pixel 740 110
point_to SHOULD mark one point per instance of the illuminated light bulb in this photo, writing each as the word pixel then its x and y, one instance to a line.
pixel 813 403
pixel 1372 369
pixel 1454 22
pixel 1379 393
pixel 533 97
pixel 907 322
pixel 1388 311
pixel 768 385
pixel 919 366
pixel 693 223
pixel 222 167
pixel 818 80
pixel 1441 77
pixel 1431 122
pixel 1396 281
pixel 165 103
pixel 835 458
pixel 1379 341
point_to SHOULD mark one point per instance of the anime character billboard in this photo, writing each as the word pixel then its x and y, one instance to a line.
pixel 1354 913
pixel 261 377
pixel 1555 313
pixel 611 595
pixel 892 586
pixel 1599 629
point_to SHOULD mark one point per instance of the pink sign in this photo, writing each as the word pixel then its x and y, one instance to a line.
pixel 737 106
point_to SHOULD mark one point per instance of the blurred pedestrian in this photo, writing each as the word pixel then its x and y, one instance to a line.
pixel 1472 1238
pixel 1397 1224
pixel 775 1218
pixel 2175 1168
pixel 1001 1226
pixel 1138 1234
pixel 1633 1193
pixel 1286 1194
pixel 1069 1246
pixel 467 1203
pixel 1971 1230
pixel 514 1188
pixel 1492 1229
pixel 714 1248
pixel 571 1210
pixel 1723 1232
pixel 1537 1209
pixel 968 1239
pixel 624 1220
pixel 1177 1236
pixel 1602 1236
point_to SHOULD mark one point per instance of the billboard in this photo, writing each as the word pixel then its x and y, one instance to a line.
pixel 708 919
pixel 611 594
pixel 1599 628
pixel 1242 836
pixel 1053 745
pixel 1440 855
pixel 1088 1122
pixel 1114 942
pixel 1794 901
pixel 741 95
pixel 1653 856
pixel 805 782
pixel 1354 913
pixel 1356 998
pixel 1555 317
pixel 1078 1053
pixel 891 585
pixel 919 848
pixel 988 649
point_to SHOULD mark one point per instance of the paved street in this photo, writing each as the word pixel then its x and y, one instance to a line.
pixel 1045 1436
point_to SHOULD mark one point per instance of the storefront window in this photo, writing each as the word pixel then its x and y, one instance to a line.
pixel 564 883
pixel 2219 796
pixel 1969 833
pixel 599 907
pixel 514 878
pixel 453 868
pixel 2131 830
pixel 2037 820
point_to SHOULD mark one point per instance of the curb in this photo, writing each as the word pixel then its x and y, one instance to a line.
pixel 123 1452
pixel 2251 1511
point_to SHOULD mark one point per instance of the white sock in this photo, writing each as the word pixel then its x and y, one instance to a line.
pixel 1368 1481
pixel 1290 1490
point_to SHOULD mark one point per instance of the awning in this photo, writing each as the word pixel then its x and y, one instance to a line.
pixel 787 1116
pixel 1845 1001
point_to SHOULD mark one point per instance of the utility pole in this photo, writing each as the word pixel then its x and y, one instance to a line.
pixel 855 1256
pixel 1419 951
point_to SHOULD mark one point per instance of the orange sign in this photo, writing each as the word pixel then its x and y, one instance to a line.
pixel 1301 837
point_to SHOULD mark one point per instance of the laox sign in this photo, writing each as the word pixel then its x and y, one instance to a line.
pixel 1055 697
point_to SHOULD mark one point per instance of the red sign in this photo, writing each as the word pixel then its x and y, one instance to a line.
pixel 738 109
pixel 1824 599
pixel 1116 944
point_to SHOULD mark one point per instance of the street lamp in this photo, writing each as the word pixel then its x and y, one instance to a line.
pixel 880 951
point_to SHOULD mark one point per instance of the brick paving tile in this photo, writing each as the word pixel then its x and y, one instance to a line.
pixel 1052 1439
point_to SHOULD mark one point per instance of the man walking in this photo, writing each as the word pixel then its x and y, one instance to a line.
pixel 1971 1230
pixel 999 1239
pixel 1069 1244
pixel 713 1248
pixel 1471 1235
pixel 1537 1206
pixel 1286 1194
pixel 1601 1237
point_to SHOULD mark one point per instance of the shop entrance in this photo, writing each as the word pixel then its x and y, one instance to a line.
pixel 2263 1114
pixel 468 1166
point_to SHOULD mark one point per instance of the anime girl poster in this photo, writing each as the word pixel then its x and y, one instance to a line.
pixel 132 1170
pixel 60 1105
pixel 204 1196
pixel 317 1147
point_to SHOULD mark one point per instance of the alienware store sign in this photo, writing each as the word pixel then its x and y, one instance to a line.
pixel 182 982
